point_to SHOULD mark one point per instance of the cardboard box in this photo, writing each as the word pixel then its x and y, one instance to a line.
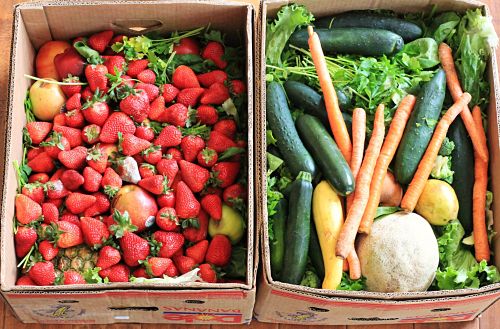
pixel 36 23
pixel 286 303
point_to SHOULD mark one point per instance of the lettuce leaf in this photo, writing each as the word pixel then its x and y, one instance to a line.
pixel 354 285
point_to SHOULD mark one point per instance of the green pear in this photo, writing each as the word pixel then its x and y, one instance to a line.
pixel 231 224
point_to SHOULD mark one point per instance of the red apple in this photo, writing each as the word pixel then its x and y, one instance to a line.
pixel 69 63
pixel 45 67
pixel 47 100
pixel 140 205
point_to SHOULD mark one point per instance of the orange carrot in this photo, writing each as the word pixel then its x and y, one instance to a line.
pixel 354 265
pixel 345 266
pixel 358 145
pixel 446 58
pixel 424 169
pixel 387 152
pixel 337 123
pixel 345 243
pixel 481 244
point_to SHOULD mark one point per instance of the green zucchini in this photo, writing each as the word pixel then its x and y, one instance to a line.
pixel 315 253
pixel 280 121
pixel 326 154
pixel 462 163
pixel 420 127
pixel 278 244
pixel 297 229
pixel 364 18
pixel 352 40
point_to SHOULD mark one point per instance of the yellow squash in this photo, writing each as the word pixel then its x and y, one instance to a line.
pixel 328 218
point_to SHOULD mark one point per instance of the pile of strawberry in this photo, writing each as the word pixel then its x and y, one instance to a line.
pixel 173 140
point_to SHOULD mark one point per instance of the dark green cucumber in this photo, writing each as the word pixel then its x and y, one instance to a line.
pixel 277 245
pixel 352 40
pixel 420 127
pixel 462 163
pixel 315 253
pixel 298 228
pixel 327 155
pixel 364 18
pixel 279 118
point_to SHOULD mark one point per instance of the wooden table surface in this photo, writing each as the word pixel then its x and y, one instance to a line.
pixel 490 319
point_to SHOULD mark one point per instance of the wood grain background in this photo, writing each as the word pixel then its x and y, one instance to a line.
pixel 490 319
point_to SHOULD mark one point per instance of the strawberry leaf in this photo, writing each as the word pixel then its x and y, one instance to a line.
pixel 230 152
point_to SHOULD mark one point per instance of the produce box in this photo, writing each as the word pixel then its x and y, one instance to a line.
pixel 146 301
pixel 281 302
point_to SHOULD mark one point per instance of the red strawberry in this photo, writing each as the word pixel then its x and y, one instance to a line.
pixel 152 154
pixel 195 229
pixel 226 127
pixel 215 51
pixel 73 277
pixel 78 202
pixel 97 158
pixel 57 174
pixel 75 119
pixel 111 182
pixel 209 78
pixel 40 178
pixel 117 38
pixel 92 179
pixel 33 152
pixel 237 87
pixel 136 105
pixel 96 77
pixel 226 173
pixel 194 176
pixel 171 243
pixel 186 205
pixel 100 206
pixel 95 232
pixel 42 163
pixel 198 251
pixel 147 170
pixel 187 46
pixel 145 131
pixel 134 248
pixel 48 250
pixel 136 66
pixel 42 273
pixel 27 210
pixel 156 266
pixel 132 145
pixel 70 90
pixel 212 204
pixel 207 157
pixel 166 219
pixel 55 144
pixel 90 134
pixel 176 114
pixel 189 96
pixel 171 270
pixel 108 256
pixel 99 41
pixel 24 238
pixel 140 272
pixel 174 154
pixel 59 119
pixel 34 191
pixel 184 77
pixel 169 136
pixel 73 159
pixel 168 168
pixel 114 64
pixel 65 234
pixel 38 131
pixel 56 202
pixel 191 146
pixel 147 76
pixel 184 264
pixel 25 280
pixel 207 273
pixel 156 108
pixel 219 142
pixel 219 251
pixel 96 111
pixel 166 200
pixel 234 194
pixel 74 102
pixel 72 179
pixel 157 184
pixel 117 122
pixel 50 213
pixel 151 90
pixel 73 135
pixel 170 92
pixel 207 115
pixel 71 218
pixel 87 93
pixel 56 190
pixel 116 273
pixel 215 94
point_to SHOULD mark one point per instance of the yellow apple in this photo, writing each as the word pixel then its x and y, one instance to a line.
pixel 47 99
pixel 230 224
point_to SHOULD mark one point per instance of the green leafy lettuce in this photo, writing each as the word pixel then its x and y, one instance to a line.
pixel 310 279
pixel 419 54
pixel 354 285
